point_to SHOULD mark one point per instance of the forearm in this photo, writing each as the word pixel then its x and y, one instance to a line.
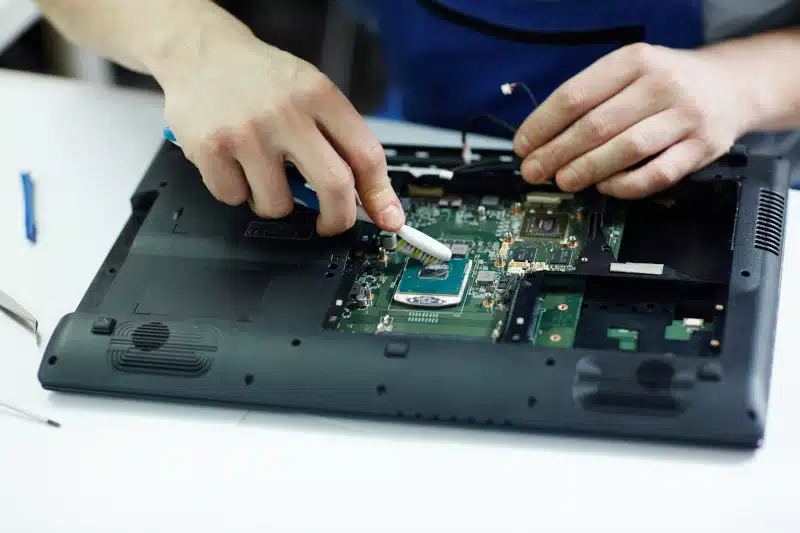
pixel 143 35
pixel 769 77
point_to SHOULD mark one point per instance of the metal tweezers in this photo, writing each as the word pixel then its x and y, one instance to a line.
pixel 19 314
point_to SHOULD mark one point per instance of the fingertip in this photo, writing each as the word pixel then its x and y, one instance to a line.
pixel 604 188
pixel 522 146
pixel 392 217
pixel 532 171
pixel 569 181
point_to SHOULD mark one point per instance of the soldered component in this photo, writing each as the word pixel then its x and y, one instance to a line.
pixel 490 201
pixel 488 302
pixel 382 257
pixel 388 240
pixel 544 226
pixel 486 277
pixel 523 253
pixel 385 324
pixel 481 212
pixel 459 250
pixel 439 285
pixel 694 323
pixel 628 339
pixel 361 300
pixel 547 198
pixel 561 256
pixel 524 265
pixel 503 252
pixel 425 192
pixel 497 331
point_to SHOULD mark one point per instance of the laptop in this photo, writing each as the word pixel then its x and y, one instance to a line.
pixel 566 313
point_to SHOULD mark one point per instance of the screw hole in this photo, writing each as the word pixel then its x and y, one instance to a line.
pixel 380 390
pixel 550 361
pixel 248 379
pixel 295 342
pixel 162 184
pixel 751 414
pixel 746 273
pixel 52 360
pixel 531 402
pixel 329 274
pixel 112 270
pixel 605 248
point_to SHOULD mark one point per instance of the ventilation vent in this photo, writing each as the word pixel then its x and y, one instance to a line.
pixel 156 348
pixel 453 419
pixel 769 222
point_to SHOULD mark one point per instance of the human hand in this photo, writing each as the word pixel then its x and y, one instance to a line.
pixel 683 107
pixel 239 108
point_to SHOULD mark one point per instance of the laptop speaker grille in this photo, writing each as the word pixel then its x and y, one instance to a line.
pixel 158 348
pixel 769 222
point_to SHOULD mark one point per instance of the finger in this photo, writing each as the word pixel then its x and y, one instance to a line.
pixel 660 173
pixel 649 137
pixel 585 91
pixel 348 133
pixel 263 167
pixel 223 177
pixel 598 126
pixel 332 179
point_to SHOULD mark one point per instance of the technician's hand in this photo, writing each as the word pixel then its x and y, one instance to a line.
pixel 640 101
pixel 239 108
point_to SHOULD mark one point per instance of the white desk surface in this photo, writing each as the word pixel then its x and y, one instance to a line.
pixel 16 16
pixel 132 466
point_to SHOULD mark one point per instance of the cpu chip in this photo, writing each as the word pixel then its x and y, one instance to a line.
pixel 439 285
pixel 544 226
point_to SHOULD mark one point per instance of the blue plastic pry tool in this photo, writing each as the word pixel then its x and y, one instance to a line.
pixel 30 217
pixel 168 135
pixel 301 192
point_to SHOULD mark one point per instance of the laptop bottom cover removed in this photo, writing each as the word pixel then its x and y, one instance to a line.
pixel 651 318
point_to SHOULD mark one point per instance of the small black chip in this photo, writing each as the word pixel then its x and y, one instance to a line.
pixel 562 256
pixel 543 226
pixel 522 254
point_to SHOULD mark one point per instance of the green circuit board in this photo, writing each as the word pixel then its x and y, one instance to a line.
pixel 494 243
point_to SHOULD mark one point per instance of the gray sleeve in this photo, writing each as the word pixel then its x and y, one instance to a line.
pixel 727 19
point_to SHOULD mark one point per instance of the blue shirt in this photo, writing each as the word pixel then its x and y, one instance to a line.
pixel 446 59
